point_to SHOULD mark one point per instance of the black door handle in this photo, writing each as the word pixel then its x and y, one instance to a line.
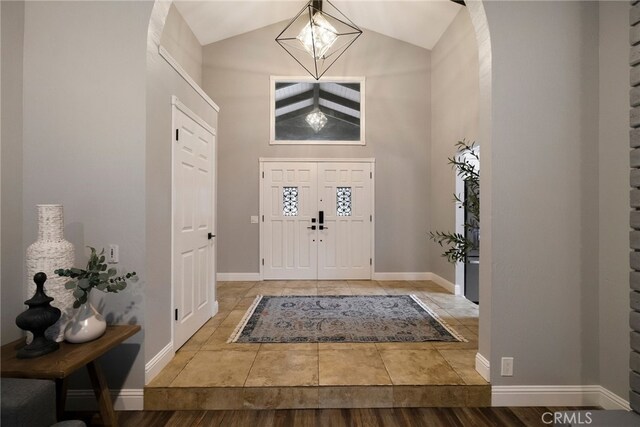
pixel 321 217
pixel 313 227
pixel 322 227
pixel 211 236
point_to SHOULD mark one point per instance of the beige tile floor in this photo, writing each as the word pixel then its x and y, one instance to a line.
pixel 209 373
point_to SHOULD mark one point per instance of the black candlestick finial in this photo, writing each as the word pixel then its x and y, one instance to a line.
pixel 36 319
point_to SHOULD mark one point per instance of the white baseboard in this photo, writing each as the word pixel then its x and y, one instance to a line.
pixel 610 400
pixel 238 277
pixel 157 362
pixel 401 276
pixel 123 400
pixel 555 395
pixel 451 287
pixel 153 367
pixel 214 308
pixel 482 366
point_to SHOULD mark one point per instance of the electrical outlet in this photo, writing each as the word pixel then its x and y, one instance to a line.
pixel 507 367
pixel 114 254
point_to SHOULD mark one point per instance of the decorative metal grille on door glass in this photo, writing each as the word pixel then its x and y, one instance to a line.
pixel 289 201
pixel 343 201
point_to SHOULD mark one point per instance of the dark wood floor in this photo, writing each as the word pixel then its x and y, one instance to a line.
pixel 392 417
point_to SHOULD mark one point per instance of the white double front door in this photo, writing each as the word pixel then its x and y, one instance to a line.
pixel 317 220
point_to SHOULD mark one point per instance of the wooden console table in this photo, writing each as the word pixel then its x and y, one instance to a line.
pixel 60 364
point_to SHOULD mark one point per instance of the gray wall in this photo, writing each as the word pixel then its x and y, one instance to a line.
pixel 455 95
pixel 11 80
pixel 543 155
pixel 84 143
pixel 162 82
pixel 182 44
pixel 236 74
pixel 614 196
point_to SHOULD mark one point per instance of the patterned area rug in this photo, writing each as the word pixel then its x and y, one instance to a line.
pixel 344 318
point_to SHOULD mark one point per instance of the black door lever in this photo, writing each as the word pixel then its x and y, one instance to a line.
pixel 211 236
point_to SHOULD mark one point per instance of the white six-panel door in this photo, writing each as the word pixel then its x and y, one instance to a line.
pixel 193 219
pixel 295 244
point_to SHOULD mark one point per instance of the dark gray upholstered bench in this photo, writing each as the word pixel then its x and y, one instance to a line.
pixel 30 403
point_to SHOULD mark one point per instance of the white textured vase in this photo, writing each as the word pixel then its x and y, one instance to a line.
pixel 86 325
pixel 47 254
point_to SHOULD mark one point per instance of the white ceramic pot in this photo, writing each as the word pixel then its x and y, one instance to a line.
pixel 86 325
pixel 47 254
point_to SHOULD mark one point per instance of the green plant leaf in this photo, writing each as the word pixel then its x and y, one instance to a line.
pixel 112 272
pixel 84 283
pixel 70 284
pixel 76 304
pixel 78 293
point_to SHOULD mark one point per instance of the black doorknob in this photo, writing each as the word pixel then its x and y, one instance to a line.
pixel 211 236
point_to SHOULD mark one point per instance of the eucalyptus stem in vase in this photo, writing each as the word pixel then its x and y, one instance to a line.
pixel 88 324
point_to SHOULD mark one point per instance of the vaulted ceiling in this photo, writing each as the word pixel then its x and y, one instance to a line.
pixel 419 22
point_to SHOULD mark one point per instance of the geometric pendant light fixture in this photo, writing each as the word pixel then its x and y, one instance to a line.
pixel 317 36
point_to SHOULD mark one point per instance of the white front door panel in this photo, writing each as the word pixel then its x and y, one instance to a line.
pixel 344 250
pixel 290 196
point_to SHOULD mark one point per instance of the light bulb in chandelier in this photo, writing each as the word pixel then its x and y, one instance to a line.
pixel 317 120
pixel 317 36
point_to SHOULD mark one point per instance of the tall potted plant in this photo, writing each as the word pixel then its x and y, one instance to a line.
pixel 458 246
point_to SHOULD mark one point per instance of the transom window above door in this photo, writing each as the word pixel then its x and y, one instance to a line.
pixel 304 111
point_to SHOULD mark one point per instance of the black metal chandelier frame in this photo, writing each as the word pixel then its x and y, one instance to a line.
pixel 313 7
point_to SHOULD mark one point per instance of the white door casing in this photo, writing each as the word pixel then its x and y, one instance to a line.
pixel 341 247
pixel 193 207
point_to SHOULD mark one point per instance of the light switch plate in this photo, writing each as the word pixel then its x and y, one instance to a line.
pixel 113 255
pixel 254 219
pixel 507 367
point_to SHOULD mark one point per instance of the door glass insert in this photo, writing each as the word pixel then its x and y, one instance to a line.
pixel 343 201
pixel 290 201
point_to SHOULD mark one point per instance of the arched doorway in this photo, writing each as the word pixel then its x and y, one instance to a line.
pixel 476 10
